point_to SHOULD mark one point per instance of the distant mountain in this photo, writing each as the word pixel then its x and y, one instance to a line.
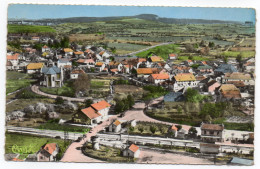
pixel 150 17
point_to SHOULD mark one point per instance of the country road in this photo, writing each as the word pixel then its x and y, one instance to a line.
pixel 133 53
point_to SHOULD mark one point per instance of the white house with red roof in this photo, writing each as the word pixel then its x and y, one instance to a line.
pixel 48 152
pixel 172 56
pixel 158 78
pixel 13 60
pixel 45 48
pixel 132 151
pixel 97 112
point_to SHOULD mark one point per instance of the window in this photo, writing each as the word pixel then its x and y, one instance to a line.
pixel 211 132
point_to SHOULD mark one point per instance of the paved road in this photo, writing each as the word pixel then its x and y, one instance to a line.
pixel 36 90
pixel 74 153
pixel 161 44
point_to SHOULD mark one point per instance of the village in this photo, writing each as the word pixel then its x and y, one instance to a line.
pixel 158 113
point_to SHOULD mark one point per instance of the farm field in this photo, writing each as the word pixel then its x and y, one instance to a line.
pixel 245 54
pixel 16 81
pixel 29 29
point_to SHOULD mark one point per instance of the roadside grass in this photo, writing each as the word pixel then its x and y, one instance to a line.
pixel 29 29
pixel 162 51
pixel 245 54
pixel 106 153
pixel 16 81
pixel 20 104
pixel 66 90
pixel 35 142
pixel 54 125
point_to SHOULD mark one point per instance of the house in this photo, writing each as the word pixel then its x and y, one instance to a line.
pixel 45 48
pixel 100 66
pixel 249 66
pixel 181 133
pixel 115 126
pixel 212 86
pixel 67 51
pixel 209 148
pixel 53 76
pixel 173 130
pixel 48 152
pixel 237 76
pixel 229 91
pixel 172 56
pixel 158 78
pixel 132 151
pixel 14 61
pixel 144 72
pixel 78 54
pixel 225 68
pixel 75 73
pixel 88 62
pixel 189 62
pixel 212 132
pixel 241 161
pixel 35 38
pixel 205 69
pixel 64 62
pixel 94 114
pixel 34 67
pixel 155 59
pixel 183 81
pixel 181 69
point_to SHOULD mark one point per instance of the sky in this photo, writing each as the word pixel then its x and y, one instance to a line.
pixel 30 11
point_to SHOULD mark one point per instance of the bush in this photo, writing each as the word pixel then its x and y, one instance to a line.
pixel 59 100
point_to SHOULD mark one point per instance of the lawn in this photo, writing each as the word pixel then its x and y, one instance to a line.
pixel 54 125
pixel 99 83
pixel 105 153
pixel 66 90
pixel 16 81
pixel 31 143
pixel 162 51
pixel 29 29
pixel 245 54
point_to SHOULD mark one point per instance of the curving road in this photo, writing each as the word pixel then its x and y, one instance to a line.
pixel 36 90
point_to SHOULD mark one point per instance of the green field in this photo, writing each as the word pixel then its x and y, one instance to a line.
pixel 245 54
pixel 34 142
pixel 198 58
pixel 16 81
pixel 29 29
pixel 162 51
pixel 66 90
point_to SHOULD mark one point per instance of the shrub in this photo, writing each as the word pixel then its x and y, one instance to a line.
pixel 59 100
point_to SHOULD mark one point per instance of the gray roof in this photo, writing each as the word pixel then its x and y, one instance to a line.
pixel 51 70
pixel 226 68
pixel 241 161
pixel 204 67
pixel 173 97
pixel 63 60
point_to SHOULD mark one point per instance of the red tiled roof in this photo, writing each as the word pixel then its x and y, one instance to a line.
pixel 212 126
pixel 185 77
pixel 100 105
pixel 45 46
pixel 160 76
pixel 172 55
pixel 174 128
pixel 144 71
pixel 141 60
pixel 16 159
pixel 133 148
pixel 50 147
pixel 114 70
pixel 91 113
pixel 77 71
pixel 117 123
pixel 12 57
